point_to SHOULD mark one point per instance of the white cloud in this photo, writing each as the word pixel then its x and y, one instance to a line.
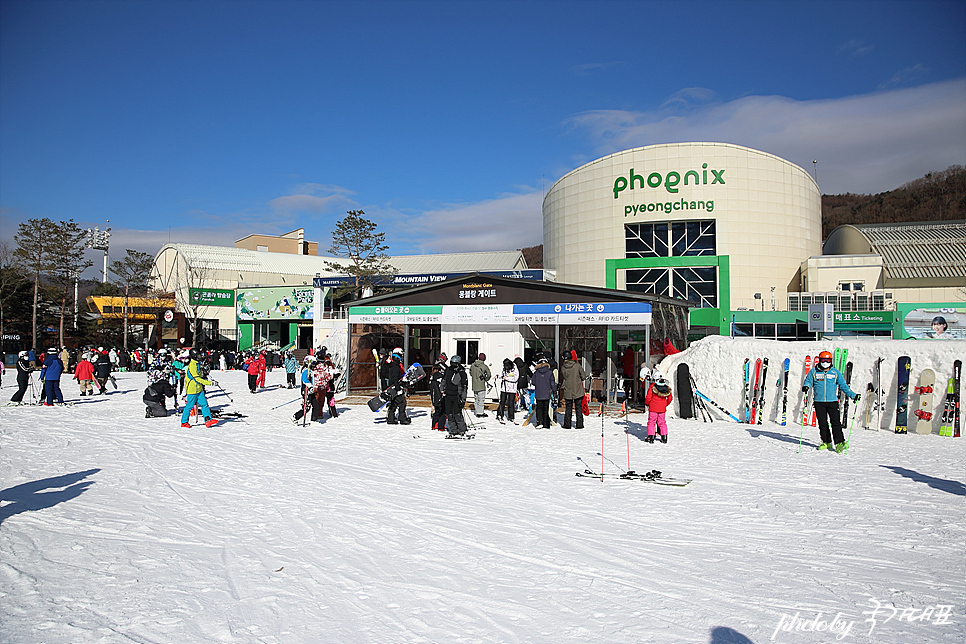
pixel 865 144
pixel 856 48
pixel 508 222
pixel 306 198
pixel 905 76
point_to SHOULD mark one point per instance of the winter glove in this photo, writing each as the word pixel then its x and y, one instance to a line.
pixel 857 396
pixel 215 383
pixel 804 390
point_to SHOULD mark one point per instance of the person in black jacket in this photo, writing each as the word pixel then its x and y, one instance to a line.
pixel 154 398
pixel 523 383
pixel 455 385
pixel 102 370
pixel 391 372
pixel 436 385
pixel 23 376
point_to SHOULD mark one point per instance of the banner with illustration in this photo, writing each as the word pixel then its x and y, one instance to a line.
pixel 936 323
pixel 275 303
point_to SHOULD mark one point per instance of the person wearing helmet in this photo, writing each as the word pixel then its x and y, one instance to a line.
pixel 195 391
pixel 391 371
pixel 23 376
pixel 84 375
pixel 50 373
pixel 572 377
pixel 436 387
pixel 455 386
pixel 825 382
pixel 657 399
pixel 309 400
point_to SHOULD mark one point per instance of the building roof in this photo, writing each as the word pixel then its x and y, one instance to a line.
pixel 250 261
pixel 920 250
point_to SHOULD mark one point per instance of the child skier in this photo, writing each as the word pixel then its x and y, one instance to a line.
pixel 657 399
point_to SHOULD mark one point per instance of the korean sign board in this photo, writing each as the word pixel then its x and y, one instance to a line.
pixel 592 313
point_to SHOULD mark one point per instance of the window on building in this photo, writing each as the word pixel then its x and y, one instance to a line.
pixel 698 285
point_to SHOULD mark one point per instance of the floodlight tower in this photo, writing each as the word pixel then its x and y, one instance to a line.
pixel 100 240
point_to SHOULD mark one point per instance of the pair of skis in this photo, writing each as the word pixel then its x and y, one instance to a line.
pixel 755 405
pixel 950 418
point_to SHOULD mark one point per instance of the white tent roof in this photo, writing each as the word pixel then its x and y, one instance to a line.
pixel 249 261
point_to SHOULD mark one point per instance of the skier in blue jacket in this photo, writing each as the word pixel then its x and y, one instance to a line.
pixel 50 373
pixel 826 381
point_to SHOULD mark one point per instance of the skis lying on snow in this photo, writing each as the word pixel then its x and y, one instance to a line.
pixel 653 476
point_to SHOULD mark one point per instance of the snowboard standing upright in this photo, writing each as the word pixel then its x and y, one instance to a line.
pixel 902 394
pixel 684 392
pixel 923 414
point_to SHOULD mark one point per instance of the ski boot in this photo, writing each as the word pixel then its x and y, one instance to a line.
pixel 841 447
pixel 664 438
pixel 825 446
pixel 649 439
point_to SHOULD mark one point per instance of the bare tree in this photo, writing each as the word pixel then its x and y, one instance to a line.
pixel 133 273
pixel 33 254
pixel 187 279
pixel 356 239
pixel 66 248
pixel 11 278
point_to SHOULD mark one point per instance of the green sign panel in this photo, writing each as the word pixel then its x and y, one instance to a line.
pixel 211 297
pixel 863 317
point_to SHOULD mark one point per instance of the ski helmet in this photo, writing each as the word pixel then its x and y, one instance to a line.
pixel 397 352
pixel 23 354
pixel 455 360
pixel 193 353
pixel 442 358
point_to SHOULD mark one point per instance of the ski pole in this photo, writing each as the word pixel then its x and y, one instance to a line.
pixel 801 436
pixel 601 475
pixel 615 464
pixel 283 404
pixel 852 424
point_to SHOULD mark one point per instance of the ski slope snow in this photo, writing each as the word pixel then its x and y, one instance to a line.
pixel 117 528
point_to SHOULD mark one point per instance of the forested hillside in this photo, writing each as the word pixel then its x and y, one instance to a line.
pixel 938 196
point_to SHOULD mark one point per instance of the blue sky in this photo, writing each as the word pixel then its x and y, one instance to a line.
pixel 445 121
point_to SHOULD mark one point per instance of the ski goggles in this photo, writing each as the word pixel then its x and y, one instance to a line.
pixel 825 363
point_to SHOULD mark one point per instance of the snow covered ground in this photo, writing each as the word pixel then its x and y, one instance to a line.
pixel 117 528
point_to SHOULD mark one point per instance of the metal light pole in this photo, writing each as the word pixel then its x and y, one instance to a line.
pixel 98 239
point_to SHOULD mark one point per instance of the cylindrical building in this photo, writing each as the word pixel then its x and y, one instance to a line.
pixel 712 223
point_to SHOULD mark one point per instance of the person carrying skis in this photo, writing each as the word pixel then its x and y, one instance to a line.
pixel 543 386
pixel 455 385
pixel 825 382
pixel 391 372
pixel 657 399
pixel 436 385
pixel 508 391
pixel 480 373
pixel 195 390
pixel 84 375
pixel 572 376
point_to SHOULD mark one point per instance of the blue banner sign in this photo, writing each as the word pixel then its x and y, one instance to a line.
pixel 418 279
